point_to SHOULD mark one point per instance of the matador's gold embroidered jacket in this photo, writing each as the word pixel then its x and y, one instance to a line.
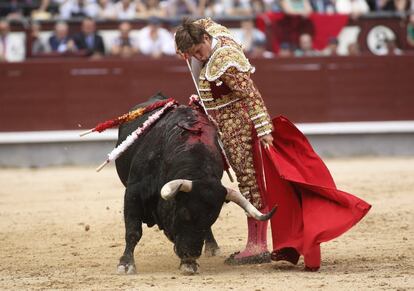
pixel 225 78
pixel 232 99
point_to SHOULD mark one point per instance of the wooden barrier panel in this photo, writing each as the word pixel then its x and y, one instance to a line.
pixel 65 94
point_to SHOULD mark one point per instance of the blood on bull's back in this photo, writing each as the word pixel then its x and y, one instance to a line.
pixel 170 140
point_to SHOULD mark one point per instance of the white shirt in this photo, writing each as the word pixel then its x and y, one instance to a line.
pixel 12 48
pixel 196 65
pixel 352 6
pixel 164 42
pixel 125 14
pixel 91 9
pixel 107 12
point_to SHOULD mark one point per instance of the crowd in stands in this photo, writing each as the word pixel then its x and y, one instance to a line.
pixel 130 9
pixel 154 40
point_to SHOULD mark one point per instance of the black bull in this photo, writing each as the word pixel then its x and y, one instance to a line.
pixel 178 159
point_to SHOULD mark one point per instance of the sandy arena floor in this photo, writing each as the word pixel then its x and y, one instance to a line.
pixel 44 242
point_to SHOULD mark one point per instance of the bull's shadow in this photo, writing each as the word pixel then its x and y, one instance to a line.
pixel 172 175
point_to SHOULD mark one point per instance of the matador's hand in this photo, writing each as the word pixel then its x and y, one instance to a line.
pixel 266 140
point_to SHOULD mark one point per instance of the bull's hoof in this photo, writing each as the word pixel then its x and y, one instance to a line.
pixel 126 269
pixel 189 268
pixel 211 250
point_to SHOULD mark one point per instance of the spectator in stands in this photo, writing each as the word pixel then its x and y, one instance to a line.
pixel 259 50
pixel 296 7
pixel 393 5
pixel 258 6
pixel 332 47
pixel 295 22
pixel 323 6
pixel 154 40
pixel 125 10
pixel 12 10
pixel 238 7
pixel 89 40
pixel 148 8
pixel 354 8
pixel 124 45
pixel 106 10
pixel 79 9
pixel 60 41
pixel 210 8
pixel 248 35
pixel 285 50
pixel 410 30
pixel 402 5
pixel 181 7
pixel 305 46
pixel 374 5
pixel 11 49
pixel 37 46
pixel 48 8
pixel 353 49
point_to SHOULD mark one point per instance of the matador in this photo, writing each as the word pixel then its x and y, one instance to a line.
pixel 289 173
pixel 234 102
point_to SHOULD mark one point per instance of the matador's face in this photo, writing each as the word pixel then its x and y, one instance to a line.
pixel 201 51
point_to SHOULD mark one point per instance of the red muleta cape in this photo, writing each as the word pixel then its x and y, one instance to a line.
pixel 311 210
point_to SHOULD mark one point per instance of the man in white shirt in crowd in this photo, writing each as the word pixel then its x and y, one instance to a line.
pixel 355 8
pixel 154 40
pixel 12 48
pixel 125 10
pixel 79 9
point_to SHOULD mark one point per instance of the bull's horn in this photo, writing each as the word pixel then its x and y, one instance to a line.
pixel 251 211
pixel 169 190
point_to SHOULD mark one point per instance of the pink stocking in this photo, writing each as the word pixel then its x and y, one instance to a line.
pixel 256 240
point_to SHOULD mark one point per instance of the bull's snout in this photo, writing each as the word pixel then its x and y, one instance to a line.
pixel 188 247
pixel 188 252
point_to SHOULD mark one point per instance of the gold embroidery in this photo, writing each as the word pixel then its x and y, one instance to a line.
pixel 237 113
pixel 223 58
pixel 214 29
pixel 233 121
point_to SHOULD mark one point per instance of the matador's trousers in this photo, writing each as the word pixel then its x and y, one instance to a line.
pixel 237 129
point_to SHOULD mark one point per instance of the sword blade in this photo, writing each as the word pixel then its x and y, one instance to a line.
pixel 263 171
pixel 206 113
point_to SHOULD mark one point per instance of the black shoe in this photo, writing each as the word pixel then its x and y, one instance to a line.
pixel 286 254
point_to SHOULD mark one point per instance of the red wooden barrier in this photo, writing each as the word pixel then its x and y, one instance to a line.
pixel 68 94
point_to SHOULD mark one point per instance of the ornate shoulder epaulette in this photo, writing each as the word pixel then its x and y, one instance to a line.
pixel 223 58
pixel 215 29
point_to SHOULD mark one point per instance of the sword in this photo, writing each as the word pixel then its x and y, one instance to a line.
pixel 263 171
pixel 211 118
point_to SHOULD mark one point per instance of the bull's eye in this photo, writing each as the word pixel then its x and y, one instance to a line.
pixel 184 214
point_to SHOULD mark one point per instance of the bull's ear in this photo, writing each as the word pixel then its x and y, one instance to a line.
pixel 169 190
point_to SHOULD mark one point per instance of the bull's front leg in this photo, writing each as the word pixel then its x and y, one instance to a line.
pixel 133 233
pixel 211 247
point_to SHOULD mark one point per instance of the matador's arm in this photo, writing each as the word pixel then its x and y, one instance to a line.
pixel 243 87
